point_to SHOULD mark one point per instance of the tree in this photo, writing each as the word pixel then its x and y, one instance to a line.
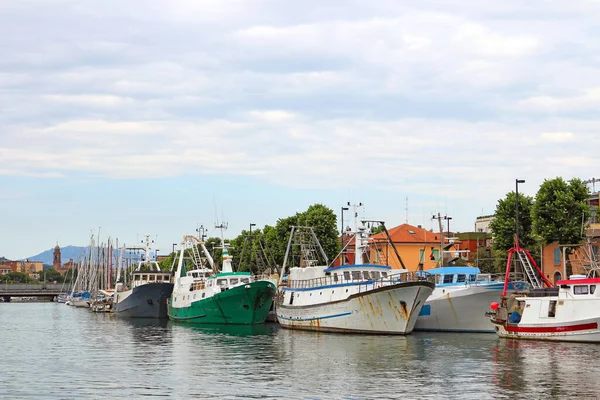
pixel 52 275
pixel 560 211
pixel 17 277
pixel 324 222
pixel 504 224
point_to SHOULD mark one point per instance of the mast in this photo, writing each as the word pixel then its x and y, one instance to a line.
pixel 226 258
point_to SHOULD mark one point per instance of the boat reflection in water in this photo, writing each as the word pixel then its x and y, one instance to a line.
pixel 230 329
pixel 546 369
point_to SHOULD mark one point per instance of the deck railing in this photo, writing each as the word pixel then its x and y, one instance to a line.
pixel 363 284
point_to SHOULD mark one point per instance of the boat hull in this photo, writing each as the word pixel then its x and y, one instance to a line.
pixel 389 309
pixel 247 304
pixel 580 331
pixel 144 301
pixel 461 309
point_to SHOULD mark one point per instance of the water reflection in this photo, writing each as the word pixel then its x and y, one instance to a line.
pixel 546 369
pixel 229 329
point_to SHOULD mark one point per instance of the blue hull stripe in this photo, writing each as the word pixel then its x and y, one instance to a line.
pixel 313 319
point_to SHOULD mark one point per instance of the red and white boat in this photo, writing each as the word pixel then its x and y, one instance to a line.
pixel 568 312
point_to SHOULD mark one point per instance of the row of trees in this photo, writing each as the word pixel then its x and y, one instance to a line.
pixel 274 239
pixel 48 275
pixel 557 214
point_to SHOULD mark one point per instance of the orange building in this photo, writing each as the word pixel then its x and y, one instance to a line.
pixel 418 248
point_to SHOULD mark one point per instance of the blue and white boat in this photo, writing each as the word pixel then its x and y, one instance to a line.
pixel 461 298
pixel 357 298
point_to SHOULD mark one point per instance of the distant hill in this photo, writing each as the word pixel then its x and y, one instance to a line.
pixel 66 253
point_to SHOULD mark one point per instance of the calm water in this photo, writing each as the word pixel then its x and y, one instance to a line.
pixel 52 351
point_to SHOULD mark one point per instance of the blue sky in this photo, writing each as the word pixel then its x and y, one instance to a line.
pixel 152 117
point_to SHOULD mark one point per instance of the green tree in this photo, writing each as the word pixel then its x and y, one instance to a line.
pixel 560 211
pixel 324 222
pixel 17 277
pixel 51 275
pixel 504 224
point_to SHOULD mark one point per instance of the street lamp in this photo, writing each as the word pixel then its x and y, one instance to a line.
pixel 251 225
pixel 342 254
pixel 174 244
pixel 201 234
pixel 517 181
pixel 448 218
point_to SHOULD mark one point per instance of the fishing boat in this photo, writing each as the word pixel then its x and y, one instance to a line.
pixel 205 295
pixel 146 293
pixel 355 298
pixel 568 312
pixel 461 298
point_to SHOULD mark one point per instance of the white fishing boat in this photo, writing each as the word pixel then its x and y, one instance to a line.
pixel 361 298
pixel 568 312
pixel 461 298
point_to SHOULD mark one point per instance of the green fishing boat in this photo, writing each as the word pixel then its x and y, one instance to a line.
pixel 204 296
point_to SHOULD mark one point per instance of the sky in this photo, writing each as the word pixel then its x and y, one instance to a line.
pixel 126 118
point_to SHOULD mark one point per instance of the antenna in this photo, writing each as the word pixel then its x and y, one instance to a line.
pixel 406 209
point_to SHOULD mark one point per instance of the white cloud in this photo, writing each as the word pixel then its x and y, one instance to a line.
pixel 558 137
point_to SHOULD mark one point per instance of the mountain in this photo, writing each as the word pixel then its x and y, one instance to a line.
pixel 74 252
pixel 47 257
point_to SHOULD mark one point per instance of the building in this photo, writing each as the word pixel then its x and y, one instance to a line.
pixel 66 267
pixel 4 269
pixel 32 267
pixel 56 259
pixel 482 224
pixel 418 248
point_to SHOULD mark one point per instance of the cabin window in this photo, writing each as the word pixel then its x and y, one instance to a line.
pixel 221 282
pixel 375 274
pixel 461 278
pixel 292 298
pixel 472 278
pixel 552 309
pixel 194 274
pixel 448 278
pixel 580 289
pixel 203 295
pixel 366 275
pixel 438 279
pixel 245 280
pixel 346 275
pixel 355 275
pixel 152 278
pixel 592 289
pixel 233 281
pixel 384 274
pixel 144 277
pixel 335 277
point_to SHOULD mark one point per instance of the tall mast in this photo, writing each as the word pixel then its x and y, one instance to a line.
pixel 226 258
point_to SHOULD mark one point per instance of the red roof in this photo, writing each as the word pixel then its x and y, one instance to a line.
pixel 406 233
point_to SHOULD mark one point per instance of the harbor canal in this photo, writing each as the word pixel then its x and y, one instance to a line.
pixel 52 351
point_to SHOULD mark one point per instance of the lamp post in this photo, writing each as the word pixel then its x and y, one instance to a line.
pixel 174 244
pixel 517 181
pixel 251 225
pixel 342 254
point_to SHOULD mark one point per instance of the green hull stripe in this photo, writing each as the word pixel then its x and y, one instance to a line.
pixel 245 304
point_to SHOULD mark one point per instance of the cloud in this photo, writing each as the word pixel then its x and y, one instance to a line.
pixel 558 137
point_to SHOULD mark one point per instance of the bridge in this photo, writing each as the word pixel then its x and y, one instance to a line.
pixel 43 291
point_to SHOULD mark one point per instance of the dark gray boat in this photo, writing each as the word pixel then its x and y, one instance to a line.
pixel 147 297
pixel 147 291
